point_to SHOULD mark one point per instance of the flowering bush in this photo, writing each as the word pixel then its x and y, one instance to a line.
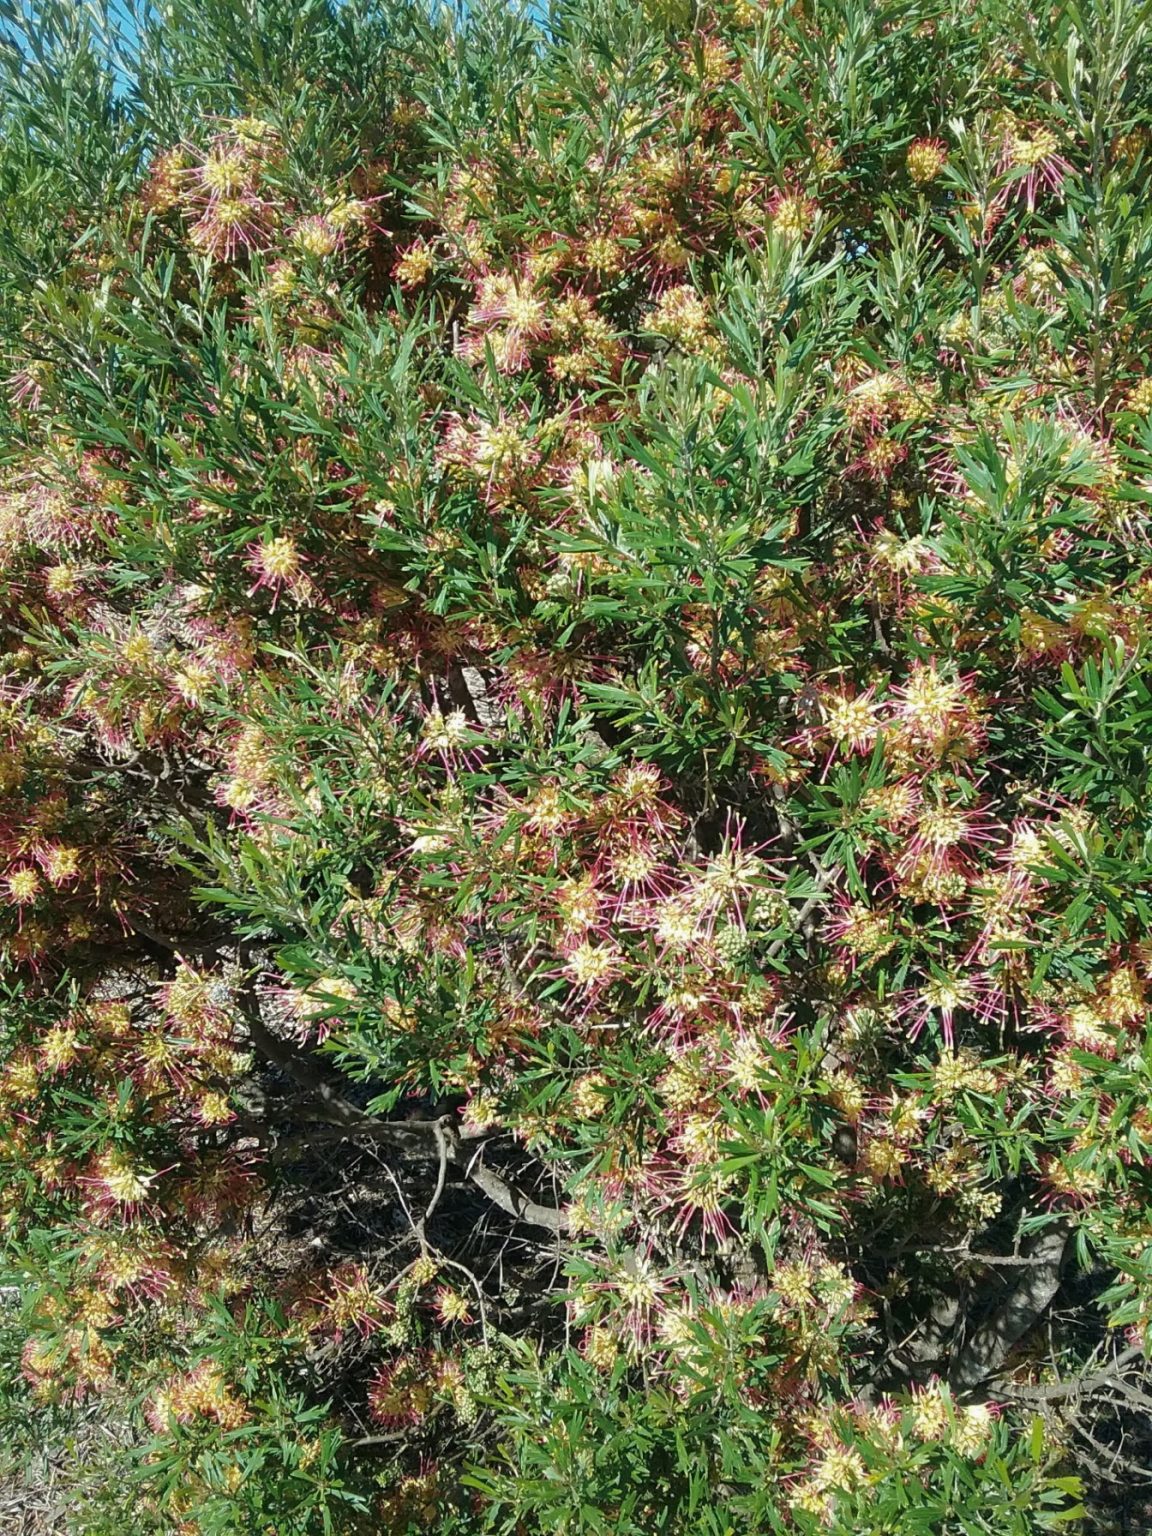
pixel 575 706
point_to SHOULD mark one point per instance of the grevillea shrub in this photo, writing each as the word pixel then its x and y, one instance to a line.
pixel 575 750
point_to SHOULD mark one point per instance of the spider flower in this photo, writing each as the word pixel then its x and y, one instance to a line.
pixel 1030 158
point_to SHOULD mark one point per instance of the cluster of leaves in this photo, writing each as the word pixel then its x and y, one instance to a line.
pixel 576 659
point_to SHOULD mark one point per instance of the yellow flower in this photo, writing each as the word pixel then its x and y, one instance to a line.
pixel 590 963
pixel 884 1158
pixel 972 1429
pixel 682 1085
pixel 682 317
pixel 424 1270
pixel 840 1468
pixel 586 1096
pixel 138 651
pixel 23 886
pixel 124 1184
pixel 214 1109
pixel 20 1081
pixel 62 580
pixel 845 1092
pixel 930 1419
pixel 793 214
pixel 193 681
pixel 1030 150
pixel 925 160
pixel 793 1282
pixel 601 1348
pixel 224 173
pixel 1139 398
pixel 59 1048
pixel 278 560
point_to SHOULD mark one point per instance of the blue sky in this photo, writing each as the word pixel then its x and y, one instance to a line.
pixel 23 27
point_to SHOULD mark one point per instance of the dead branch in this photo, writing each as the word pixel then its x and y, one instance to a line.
pixel 989 1346
pixel 514 1203
pixel 1077 1386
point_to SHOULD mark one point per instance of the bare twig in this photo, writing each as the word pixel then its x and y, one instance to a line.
pixel 514 1203
pixel 440 1127
pixel 1077 1386
pixel 178 947
pixel 297 1063
pixel 989 1346
pixel 408 1135
pixel 1117 1463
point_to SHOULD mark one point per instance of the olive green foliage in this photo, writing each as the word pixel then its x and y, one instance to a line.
pixel 575 706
